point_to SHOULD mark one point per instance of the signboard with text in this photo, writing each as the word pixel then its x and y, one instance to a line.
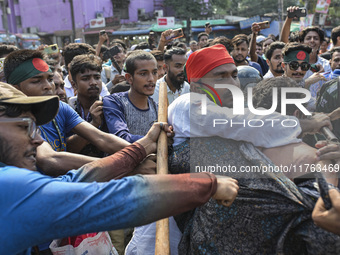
pixel 166 22
pixel 97 23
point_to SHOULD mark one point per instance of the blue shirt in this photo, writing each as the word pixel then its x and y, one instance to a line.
pixel 125 120
pixel 256 66
pixel 36 208
pixel 65 121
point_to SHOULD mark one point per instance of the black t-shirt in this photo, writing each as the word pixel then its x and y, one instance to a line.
pixel 326 55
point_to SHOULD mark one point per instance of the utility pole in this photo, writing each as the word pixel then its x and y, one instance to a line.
pixel 73 23
pixel 280 14
pixel 4 15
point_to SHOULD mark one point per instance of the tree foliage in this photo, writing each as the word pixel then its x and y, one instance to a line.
pixel 201 9
pixel 195 9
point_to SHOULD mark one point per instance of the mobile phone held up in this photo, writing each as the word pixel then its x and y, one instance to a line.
pixel 264 24
pixel 51 49
pixel 301 12
pixel 111 52
pixel 177 33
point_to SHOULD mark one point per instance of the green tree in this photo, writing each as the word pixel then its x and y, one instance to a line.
pixel 249 8
pixel 195 9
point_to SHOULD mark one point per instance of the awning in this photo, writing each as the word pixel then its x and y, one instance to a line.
pixel 156 28
pixel 214 28
pixel 131 32
pixel 97 31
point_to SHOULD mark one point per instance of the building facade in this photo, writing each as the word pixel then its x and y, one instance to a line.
pixel 53 19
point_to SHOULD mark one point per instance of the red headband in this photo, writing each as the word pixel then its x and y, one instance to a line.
pixel 204 60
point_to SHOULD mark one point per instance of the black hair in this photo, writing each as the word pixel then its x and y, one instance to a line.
pixel 272 47
pixel 159 55
pixel 15 110
pixel 82 63
pixel 120 42
pixel 173 51
pixel 226 42
pixel 335 34
pixel 52 63
pixel 238 39
pixel 201 34
pixel 335 49
pixel 130 63
pixel 6 49
pixel 142 46
pixel 305 31
pixel 75 49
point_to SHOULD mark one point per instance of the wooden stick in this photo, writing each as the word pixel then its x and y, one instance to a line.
pixel 162 246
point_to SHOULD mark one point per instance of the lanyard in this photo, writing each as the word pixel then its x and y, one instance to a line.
pixel 62 146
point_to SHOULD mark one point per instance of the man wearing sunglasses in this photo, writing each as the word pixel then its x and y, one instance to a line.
pixel 296 63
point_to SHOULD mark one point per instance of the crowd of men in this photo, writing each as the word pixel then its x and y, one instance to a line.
pixel 78 135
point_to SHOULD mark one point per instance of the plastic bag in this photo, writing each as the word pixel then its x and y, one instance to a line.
pixel 87 244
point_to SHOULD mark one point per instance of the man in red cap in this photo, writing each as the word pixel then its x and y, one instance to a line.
pixel 264 197
pixel 205 69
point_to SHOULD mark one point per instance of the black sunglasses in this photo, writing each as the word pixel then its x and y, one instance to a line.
pixel 294 65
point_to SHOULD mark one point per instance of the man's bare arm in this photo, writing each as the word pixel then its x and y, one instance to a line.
pixel 284 35
pixel 255 28
pixel 55 163
pixel 328 219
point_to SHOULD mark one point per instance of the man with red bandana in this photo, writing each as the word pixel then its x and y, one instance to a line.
pixel 27 71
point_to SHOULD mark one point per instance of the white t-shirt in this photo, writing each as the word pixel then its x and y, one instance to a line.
pixel 171 95
pixel 185 115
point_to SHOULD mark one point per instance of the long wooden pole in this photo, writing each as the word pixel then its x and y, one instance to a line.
pixel 162 246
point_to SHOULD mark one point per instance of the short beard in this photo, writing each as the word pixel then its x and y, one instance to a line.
pixel 239 61
pixel 176 83
pixel 279 71
pixel 5 152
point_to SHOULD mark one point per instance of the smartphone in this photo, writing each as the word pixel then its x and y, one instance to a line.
pixel 111 52
pixel 301 12
pixel 177 33
pixel 51 49
pixel 101 32
pixel 264 24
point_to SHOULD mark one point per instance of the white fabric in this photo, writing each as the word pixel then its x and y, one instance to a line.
pixel 184 114
pixel 171 95
pixel 113 73
pixel 321 61
pixel 143 240
pixel 68 87
pixel 70 92
pixel 268 75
